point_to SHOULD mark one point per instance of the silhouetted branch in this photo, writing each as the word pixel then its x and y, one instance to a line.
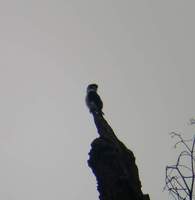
pixel 180 177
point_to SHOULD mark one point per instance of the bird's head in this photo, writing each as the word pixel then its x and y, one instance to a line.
pixel 92 87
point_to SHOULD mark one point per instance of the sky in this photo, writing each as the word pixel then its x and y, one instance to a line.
pixel 140 53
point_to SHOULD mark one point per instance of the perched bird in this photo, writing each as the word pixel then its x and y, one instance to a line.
pixel 93 100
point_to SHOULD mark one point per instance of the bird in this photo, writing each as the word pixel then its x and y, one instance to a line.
pixel 93 100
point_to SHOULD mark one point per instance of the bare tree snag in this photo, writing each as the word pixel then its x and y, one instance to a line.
pixel 112 163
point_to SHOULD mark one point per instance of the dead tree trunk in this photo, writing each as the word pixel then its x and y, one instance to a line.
pixel 113 165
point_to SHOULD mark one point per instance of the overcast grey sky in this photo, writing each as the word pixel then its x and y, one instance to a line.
pixel 141 53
